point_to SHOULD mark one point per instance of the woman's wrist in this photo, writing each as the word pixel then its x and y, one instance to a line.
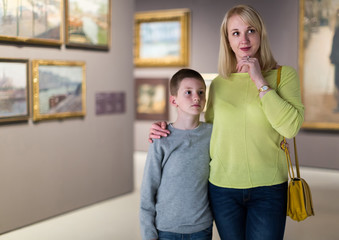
pixel 260 83
pixel 261 94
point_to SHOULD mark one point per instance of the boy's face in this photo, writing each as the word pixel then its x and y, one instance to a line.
pixel 191 97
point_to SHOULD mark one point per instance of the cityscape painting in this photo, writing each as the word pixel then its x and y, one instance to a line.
pixel 14 104
pixel 31 21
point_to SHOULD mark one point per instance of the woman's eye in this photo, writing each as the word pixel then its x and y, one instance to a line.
pixel 251 31
pixel 188 92
pixel 235 33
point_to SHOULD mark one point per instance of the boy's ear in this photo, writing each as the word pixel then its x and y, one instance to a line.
pixel 173 101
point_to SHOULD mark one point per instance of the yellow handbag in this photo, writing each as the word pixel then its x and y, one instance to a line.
pixel 299 198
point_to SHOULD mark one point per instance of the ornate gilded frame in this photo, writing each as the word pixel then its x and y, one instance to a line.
pixel 315 69
pixel 14 90
pixel 59 89
pixel 97 34
pixel 32 22
pixel 174 28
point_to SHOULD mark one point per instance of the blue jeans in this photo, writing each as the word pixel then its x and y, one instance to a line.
pixel 249 214
pixel 202 235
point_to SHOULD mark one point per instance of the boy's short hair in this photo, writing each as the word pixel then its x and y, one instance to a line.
pixel 180 75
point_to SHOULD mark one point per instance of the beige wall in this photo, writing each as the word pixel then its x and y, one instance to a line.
pixel 315 148
pixel 52 167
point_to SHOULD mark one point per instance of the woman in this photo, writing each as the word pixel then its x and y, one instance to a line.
pixel 250 116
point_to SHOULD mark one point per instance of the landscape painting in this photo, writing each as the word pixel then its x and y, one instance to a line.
pixel 58 89
pixel 161 38
pixel 88 23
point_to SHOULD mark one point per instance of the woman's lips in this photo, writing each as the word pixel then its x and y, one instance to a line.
pixel 245 49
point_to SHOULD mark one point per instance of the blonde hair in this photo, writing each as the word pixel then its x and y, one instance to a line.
pixel 227 60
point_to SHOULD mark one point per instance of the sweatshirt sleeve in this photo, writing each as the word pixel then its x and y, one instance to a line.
pixel 209 114
pixel 283 107
pixel 149 187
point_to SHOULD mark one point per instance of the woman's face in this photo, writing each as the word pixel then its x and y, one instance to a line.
pixel 243 38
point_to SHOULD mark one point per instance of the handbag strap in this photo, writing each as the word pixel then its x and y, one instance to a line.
pixel 296 157
pixel 288 158
pixel 278 75
pixel 284 145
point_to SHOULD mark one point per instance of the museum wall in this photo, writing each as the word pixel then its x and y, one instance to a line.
pixel 316 148
pixel 51 167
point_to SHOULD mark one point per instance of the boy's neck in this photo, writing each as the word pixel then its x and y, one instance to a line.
pixel 186 123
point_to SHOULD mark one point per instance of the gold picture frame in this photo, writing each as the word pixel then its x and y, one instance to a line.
pixel 88 24
pixel 318 20
pixel 14 90
pixel 32 22
pixel 59 89
pixel 161 38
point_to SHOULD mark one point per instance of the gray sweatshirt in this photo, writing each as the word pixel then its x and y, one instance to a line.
pixel 174 194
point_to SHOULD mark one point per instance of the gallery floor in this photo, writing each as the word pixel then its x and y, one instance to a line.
pixel 117 219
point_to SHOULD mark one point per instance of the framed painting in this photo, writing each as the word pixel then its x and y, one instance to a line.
pixel 319 62
pixel 161 38
pixel 14 88
pixel 151 99
pixel 59 89
pixel 33 21
pixel 88 23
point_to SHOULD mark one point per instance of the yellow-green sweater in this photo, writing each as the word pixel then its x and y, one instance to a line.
pixel 247 131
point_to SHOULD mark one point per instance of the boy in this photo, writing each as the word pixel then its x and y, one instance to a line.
pixel 174 198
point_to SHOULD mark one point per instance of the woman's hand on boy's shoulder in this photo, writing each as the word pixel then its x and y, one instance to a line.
pixel 158 130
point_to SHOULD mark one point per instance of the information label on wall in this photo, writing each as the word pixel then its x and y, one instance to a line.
pixel 109 103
